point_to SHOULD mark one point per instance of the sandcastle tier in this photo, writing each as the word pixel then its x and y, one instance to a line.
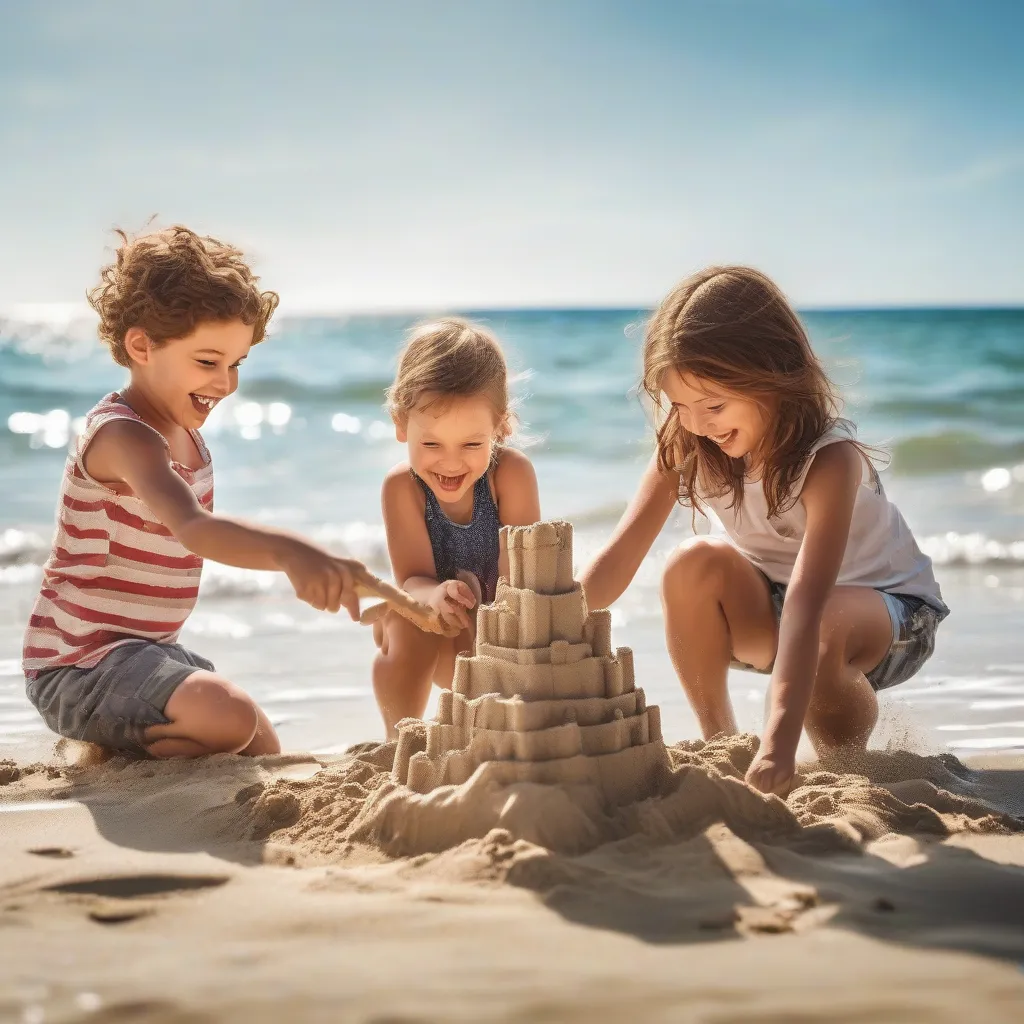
pixel 543 698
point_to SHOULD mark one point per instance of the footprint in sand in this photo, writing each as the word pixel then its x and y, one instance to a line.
pixel 130 886
pixel 121 899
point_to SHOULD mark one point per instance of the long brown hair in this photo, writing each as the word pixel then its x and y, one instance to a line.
pixel 733 327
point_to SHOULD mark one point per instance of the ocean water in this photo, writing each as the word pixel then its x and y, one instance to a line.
pixel 305 442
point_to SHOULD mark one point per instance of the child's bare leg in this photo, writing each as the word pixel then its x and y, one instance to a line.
pixel 465 641
pixel 403 671
pixel 265 740
pixel 856 633
pixel 210 715
pixel 444 670
pixel 717 607
pixel 409 661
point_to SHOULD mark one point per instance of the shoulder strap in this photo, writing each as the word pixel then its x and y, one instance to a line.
pixel 428 494
pixel 111 408
pixel 841 430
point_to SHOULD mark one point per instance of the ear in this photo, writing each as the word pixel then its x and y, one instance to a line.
pixel 401 427
pixel 137 345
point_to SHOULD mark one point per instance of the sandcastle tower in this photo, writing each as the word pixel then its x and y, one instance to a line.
pixel 543 698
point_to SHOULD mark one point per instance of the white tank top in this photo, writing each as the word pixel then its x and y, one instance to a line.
pixel 880 553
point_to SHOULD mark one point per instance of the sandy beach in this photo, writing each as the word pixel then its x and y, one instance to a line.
pixel 550 842
pixel 232 889
pixel 344 885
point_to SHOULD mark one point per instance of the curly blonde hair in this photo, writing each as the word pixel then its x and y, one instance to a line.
pixel 169 282
pixel 447 359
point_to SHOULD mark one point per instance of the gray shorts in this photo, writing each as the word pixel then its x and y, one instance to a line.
pixel 914 623
pixel 115 702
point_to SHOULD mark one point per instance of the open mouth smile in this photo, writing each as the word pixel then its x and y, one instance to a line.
pixel 723 440
pixel 203 403
pixel 449 483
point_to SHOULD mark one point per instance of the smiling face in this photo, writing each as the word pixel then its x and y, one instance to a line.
pixel 183 380
pixel 736 424
pixel 450 444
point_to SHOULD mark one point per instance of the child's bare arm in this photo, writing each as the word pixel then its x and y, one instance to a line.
pixel 515 486
pixel 605 579
pixel 828 497
pixel 125 453
pixel 412 557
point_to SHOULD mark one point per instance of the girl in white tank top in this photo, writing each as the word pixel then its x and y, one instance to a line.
pixel 818 580
pixel 880 550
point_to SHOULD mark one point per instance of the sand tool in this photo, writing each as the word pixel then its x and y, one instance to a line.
pixel 394 599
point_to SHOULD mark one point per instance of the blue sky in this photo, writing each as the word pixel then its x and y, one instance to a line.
pixel 429 154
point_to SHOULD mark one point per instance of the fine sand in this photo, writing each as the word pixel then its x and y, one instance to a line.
pixel 290 889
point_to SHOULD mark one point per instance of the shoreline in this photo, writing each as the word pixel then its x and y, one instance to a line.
pixel 314 679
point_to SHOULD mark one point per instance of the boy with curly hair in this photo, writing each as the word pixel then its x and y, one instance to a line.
pixel 135 518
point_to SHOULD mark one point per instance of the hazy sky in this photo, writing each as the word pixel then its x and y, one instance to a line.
pixel 468 154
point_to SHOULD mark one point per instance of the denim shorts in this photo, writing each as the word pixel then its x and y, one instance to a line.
pixel 113 703
pixel 914 623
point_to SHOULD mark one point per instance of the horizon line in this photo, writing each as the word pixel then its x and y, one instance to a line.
pixel 981 307
pixel 68 312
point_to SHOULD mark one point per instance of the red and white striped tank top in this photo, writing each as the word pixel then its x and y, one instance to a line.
pixel 115 573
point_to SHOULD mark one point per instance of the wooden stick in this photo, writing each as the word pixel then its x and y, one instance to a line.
pixel 368 585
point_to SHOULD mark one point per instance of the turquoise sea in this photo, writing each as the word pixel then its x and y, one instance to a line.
pixel 305 443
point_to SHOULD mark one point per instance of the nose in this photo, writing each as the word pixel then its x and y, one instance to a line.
pixel 225 381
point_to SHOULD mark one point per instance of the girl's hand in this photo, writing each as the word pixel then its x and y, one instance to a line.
pixel 451 600
pixel 770 773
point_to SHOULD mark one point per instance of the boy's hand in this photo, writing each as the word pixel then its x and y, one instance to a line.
pixel 451 600
pixel 321 580
pixel 771 773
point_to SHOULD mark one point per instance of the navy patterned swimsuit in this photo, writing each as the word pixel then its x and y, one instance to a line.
pixel 471 547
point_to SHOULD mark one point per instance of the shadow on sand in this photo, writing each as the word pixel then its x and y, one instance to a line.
pixel 960 892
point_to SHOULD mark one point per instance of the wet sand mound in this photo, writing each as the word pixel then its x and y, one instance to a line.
pixel 356 803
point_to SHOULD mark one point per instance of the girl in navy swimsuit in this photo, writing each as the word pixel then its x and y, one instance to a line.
pixel 444 507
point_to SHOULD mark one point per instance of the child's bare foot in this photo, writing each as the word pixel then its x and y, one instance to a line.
pixel 81 754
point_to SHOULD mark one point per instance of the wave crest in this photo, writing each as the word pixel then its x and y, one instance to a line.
pixel 973 549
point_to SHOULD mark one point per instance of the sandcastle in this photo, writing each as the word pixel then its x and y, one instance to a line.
pixel 545 740
pixel 543 698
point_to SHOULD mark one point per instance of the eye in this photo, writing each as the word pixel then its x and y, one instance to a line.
pixel 473 444
pixel 716 408
pixel 206 362
pixel 430 444
pixel 235 366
